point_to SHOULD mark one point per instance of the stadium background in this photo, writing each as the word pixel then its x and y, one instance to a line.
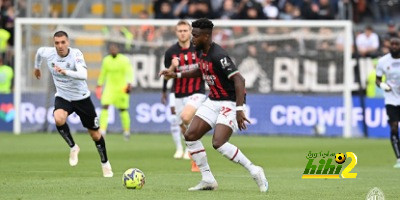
pixel 34 164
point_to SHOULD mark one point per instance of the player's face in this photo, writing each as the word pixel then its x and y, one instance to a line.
pixel 114 50
pixel 61 44
pixel 395 47
pixel 183 32
pixel 198 38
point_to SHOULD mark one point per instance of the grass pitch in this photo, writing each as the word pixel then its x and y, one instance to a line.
pixel 35 166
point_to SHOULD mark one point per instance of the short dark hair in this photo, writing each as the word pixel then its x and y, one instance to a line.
pixel 60 34
pixel 203 23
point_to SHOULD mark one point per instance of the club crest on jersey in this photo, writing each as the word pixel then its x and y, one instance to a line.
pixel 388 68
pixel 224 63
pixel 193 56
pixel 68 65
pixel 186 57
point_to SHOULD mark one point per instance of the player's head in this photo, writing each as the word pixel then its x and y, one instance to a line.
pixel 395 47
pixel 202 32
pixel 183 31
pixel 113 49
pixel 61 43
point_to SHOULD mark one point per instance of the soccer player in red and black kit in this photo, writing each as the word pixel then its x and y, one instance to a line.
pixel 223 110
pixel 188 93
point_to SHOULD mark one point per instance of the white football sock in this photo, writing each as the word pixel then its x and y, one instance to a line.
pixel 234 154
pixel 176 132
pixel 199 156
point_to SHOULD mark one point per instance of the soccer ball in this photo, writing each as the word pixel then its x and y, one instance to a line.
pixel 133 178
pixel 340 158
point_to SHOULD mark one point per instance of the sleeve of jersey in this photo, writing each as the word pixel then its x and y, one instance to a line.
pixel 80 66
pixel 129 71
pixel 379 68
pixel 39 57
pixel 227 65
pixel 167 59
pixel 103 73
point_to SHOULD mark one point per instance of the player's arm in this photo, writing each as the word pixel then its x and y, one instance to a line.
pixel 230 70
pixel 38 61
pixel 100 80
pixel 80 71
pixel 129 75
pixel 379 73
pixel 188 74
pixel 167 64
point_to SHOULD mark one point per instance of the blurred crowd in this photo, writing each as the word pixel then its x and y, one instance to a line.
pixel 356 10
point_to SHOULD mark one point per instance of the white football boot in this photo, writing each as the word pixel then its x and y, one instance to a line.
pixel 73 155
pixel 260 179
pixel 178 154
pixel 204 186
pixel 107 170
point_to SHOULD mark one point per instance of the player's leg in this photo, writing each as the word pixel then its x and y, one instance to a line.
pixel 393 113
pixel 226 123
pixel 62 108
pixel 104 119
pixel 86 111
pixel 176 134
pixel 202 122
pixel 123 106
pixel 107 99
pixel 192 103
pixel 177 127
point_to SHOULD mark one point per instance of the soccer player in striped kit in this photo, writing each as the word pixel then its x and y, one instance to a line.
pixel 223 110
pixel 69 71
pixel 189 93
pixel 389 65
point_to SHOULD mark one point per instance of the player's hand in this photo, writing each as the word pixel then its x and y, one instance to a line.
pixel 164 98
pixel 241 119
pixel 168 74
pixel 385 86
pixel 37 73
pixel 59 70
pixel 128 88
pixel 99 89
pixel 175 62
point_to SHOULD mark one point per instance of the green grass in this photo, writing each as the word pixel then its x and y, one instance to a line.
pixel 35 166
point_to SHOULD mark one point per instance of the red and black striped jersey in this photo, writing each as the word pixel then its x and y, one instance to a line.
pixel 217 69
pixel 188 59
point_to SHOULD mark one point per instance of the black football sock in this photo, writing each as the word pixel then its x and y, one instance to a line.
pixel 64 132
pixel 101 148
pixel 394 138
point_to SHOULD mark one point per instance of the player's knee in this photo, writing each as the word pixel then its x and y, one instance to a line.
pixel 394 129
pixel 186 119
pixel 104 107
pixel 217 143
pixel 190 135
pixel 95 134
pixel 59 119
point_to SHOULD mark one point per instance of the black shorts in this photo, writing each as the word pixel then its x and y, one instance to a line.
pixel 393 113
pixel 83 108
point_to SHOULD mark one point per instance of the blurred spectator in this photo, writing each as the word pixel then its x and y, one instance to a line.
pixel 4 37
pixel 391 31
pixel 321 9
pixel 270 10
pixel 146 32
pixel 6 76
pixel 199 9
pixel 228 10
pixel 367 42
pixel 250 9
pixel 165 11
pixel 290 11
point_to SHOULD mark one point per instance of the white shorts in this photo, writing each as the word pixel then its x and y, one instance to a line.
pixel 194 100
pixel 171 100
pixel 218 112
